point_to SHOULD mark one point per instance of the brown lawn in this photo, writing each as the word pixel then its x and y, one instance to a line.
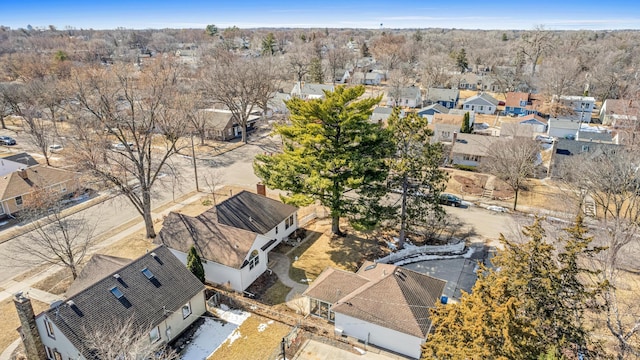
pixel 9 321
pixel 322 250
pixel 259 337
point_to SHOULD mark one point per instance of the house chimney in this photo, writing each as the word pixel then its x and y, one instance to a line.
pixel 28 329
pixel 23 174
pixel 261 189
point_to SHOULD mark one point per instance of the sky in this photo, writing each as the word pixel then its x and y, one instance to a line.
pixel 371 14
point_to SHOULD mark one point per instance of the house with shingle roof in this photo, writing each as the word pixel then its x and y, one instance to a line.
pixel 156 293
pixel 17 187
pixel 222 124
pixel 233 238
pixel 471 149
pixel 445 97
pixel 620 113
pixel 406 97
pixel 308 91
pixel 381 304
pixel 482 103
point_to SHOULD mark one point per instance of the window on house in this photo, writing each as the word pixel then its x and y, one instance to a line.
pixel 446 134
pixel 254 259
pixel 49 352
pixel 49 325
pixel 406 101
pixel 57 355
pixel 467 157
pixel 186 310
pixel 116 292
pixel 154 335
pixel 481 107
pixel 585 148
pixel 288 222
pixel 276 229
pixel 19 200
pixel 147 273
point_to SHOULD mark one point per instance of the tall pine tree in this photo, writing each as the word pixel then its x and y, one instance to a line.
pixel 332 154
pixel 415 170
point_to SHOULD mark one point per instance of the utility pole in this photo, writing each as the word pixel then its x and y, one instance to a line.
pixel 195 168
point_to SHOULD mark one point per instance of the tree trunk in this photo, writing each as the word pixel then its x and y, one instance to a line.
pixel 403 214
pixel 245 138
pixel 4 125
pixel 74 271
pixel 335 225
pixel 515 198
pixel 146 215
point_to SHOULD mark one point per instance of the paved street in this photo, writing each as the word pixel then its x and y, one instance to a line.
pixel 233 168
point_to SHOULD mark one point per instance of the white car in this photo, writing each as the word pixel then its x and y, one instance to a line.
pixel 122 146
pixel 55 148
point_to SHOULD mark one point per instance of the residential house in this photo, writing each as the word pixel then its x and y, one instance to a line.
pixel 452 119
pixel 381 304
pixel 580 106
pixel 445 133
pixel 519 104
pixel 564 149
pixel 15 162
pixel 233 238
pixel 380 115
pixel 445 97
pixel 406 97
pixel 155 293
pixel 525 126
pixel 222 124
pixel 471 149
pixel 277 104
pixel 357 78
pixel 342 76
pixel 308 91
pixel 373 78
pixel 482 103
pixel 431 110
pixel 17 187
pixel 513 130
pixel 490 83
pixel 469 81
pixel 596 134
pixel 461 112
pixel 563 128
pixel 620 113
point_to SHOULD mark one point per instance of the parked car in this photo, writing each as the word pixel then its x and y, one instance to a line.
pixel 55 148
pixel 122 146
pixel 451 200
pixel 7 140
pixel 544 139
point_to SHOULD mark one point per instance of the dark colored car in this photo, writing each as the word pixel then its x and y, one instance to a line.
pixel 7 140
pixel 451 200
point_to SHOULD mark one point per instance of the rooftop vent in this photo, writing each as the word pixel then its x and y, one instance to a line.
pixel 116 276
pixel 370 267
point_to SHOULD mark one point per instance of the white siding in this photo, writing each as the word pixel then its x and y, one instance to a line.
pixel 177 323
pixel 7 167
pixel 60 343
pixel 216 273
pixel 380 336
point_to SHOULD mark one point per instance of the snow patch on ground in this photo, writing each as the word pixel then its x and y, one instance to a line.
pixel 466 255
pixel 262 327
pixel 213 333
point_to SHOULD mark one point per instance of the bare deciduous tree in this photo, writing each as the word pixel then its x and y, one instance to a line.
pixel 141 113
pixel 512 161
pixel 53 238
pixel 124 340
pixel 535 44
pixel 239 84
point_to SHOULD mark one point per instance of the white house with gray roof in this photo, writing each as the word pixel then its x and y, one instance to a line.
pixel 233 238
pixel 482 104
pixel 155 292
pixel 406 97
pixel 308 91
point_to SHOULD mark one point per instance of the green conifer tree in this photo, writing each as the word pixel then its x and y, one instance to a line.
pixel 194 264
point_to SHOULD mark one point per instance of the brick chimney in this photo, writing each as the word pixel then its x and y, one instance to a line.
pixel 29 330
pixel 23 173
pixel 261 189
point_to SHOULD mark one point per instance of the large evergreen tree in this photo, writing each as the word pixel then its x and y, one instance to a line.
pixel 414 169
pixel 466 124
pixel 531 305
pixel 194 264
pixel 333 154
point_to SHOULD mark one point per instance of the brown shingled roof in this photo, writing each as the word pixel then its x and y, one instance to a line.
pixel 14 184
pixel 392 297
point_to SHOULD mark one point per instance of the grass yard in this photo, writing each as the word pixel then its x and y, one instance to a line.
pixel 322 250
pixel 57 283
pixel 9 321
pixel 257 338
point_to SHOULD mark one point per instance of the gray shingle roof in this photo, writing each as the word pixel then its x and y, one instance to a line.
pixel 391 297
pixel 482 99
pixel 436 107
pixel 333 284
pixel 437 94
pixel 22 158
pixel 144 302
pixel 253 212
